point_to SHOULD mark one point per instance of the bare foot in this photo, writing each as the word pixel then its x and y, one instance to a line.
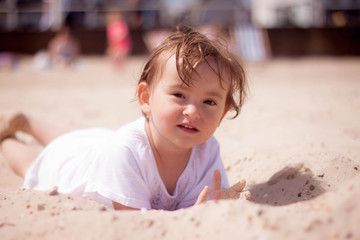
pixel 10 124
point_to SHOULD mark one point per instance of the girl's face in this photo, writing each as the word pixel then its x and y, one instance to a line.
pixel 181 116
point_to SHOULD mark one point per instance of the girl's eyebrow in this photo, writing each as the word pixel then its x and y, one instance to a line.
pixel 176 85
pixel 214 94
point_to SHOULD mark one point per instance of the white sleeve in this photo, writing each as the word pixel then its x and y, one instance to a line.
pixel 116 176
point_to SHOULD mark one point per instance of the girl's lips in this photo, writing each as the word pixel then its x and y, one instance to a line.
pixel 188 128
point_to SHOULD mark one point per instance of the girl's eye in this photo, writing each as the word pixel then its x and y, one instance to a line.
pixel 178 95
pixel 210 102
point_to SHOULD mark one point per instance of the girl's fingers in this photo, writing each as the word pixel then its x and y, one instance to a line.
pixel 203 195
pixel 238 187
pixel 247 195
pixel 216 183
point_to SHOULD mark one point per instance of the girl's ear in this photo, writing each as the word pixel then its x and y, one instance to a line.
pixel 143 93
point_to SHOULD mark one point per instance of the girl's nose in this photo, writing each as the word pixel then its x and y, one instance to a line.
pixel 192 112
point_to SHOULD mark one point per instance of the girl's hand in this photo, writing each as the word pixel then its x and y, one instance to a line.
pixel 217 193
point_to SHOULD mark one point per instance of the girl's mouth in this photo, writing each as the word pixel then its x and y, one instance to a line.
pixel 188 128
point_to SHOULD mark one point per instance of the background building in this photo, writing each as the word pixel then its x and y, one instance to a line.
pixel 321 26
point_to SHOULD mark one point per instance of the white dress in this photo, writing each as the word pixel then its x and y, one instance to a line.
pixel 107 165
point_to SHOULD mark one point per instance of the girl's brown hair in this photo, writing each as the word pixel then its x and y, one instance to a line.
pixel 190 49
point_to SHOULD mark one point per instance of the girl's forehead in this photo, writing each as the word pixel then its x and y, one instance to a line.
pixel 210 71
pixel 204 74
pixel 204 69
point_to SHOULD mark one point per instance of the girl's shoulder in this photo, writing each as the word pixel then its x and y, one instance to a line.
pixel 132 132
pixel 128 148
pixel 130 137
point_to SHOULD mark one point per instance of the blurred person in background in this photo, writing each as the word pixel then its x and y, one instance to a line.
pixel 119 41
pixel 62 52
pixel 63 49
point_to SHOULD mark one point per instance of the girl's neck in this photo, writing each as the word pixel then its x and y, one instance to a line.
pixel 170 162
pixel 166 152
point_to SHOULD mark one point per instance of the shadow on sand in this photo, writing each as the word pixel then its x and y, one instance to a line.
pixel 289 185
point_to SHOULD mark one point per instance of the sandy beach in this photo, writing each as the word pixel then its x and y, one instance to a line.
pixel 296 142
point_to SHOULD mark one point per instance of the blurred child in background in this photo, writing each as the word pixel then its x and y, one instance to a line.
pixel 119 42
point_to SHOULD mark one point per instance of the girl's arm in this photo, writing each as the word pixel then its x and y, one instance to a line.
pixel 216 192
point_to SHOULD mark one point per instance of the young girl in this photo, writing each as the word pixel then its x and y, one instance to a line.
pixel 164 160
